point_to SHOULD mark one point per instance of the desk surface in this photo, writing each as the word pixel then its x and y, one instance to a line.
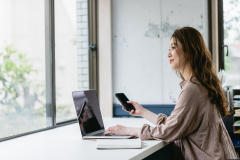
pixel 66 143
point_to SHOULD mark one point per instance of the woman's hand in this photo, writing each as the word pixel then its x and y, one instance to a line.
pixel 139 110
pixel 118 129
pixel 122 130
pixel 143 112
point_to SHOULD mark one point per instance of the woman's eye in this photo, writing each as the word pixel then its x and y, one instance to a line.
pixel 171 48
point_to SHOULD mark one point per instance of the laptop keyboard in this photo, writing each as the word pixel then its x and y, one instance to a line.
pixel 99 134
pixel 102 134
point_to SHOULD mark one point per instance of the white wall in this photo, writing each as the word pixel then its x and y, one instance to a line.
pixel 141 31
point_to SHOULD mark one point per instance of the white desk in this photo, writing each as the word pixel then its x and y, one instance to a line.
pixel 65 143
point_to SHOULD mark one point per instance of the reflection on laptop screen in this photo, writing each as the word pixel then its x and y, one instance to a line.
pixel 90 118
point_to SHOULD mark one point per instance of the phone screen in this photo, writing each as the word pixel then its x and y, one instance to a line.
pixel 123 99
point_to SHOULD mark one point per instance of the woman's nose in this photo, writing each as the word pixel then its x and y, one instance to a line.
pixel 169 54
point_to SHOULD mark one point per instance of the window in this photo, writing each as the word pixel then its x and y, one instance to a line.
pixel 71 54
pixel 231 38
pixel 44 56
pixel 22 67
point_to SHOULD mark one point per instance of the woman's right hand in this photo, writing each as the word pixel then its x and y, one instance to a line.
pixel 139 110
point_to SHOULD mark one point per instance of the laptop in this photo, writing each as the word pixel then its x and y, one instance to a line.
pixel 89 116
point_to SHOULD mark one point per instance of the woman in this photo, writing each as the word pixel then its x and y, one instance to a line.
pixel 195 125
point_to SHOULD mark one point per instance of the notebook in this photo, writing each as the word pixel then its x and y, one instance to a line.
pixel 118 143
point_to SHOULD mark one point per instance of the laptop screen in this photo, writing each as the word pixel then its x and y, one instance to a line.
pixel 88 111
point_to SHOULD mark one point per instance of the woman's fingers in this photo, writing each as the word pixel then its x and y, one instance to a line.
pixel 131 112
pixel 130 102
pixel 109 130
pixel 118 129
pixel 106 132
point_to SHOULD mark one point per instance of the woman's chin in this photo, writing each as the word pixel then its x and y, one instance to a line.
pixel 173 67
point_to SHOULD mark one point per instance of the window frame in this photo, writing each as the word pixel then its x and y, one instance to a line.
pixel 220 35
pixel 50 64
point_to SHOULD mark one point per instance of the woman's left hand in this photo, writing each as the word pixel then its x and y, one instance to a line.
pixel 118 129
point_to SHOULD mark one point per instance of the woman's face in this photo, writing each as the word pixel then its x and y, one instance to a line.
pixel 175 54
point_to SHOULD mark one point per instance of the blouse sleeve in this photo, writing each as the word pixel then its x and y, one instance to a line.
pixel 161 119
pixel 181 122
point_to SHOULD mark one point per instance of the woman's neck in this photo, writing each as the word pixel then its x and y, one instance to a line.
pixel 187 72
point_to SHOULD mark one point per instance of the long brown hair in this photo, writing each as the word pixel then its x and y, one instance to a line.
pixel 197 54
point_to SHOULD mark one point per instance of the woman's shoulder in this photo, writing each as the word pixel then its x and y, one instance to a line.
pixel 193 87
pixel 192 84
pixel 192 93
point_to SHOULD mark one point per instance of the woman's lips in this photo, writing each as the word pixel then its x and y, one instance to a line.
pixel 170 61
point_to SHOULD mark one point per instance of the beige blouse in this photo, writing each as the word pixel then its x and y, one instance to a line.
pixel 195 126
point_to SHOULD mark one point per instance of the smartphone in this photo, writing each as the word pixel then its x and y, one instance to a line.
pixel 123 100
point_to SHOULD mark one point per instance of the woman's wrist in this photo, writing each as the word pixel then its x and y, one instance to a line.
pixel 143 113
pixel 150 116
pixel 134 131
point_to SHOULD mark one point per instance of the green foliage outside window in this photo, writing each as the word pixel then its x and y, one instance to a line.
pixel 14 72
